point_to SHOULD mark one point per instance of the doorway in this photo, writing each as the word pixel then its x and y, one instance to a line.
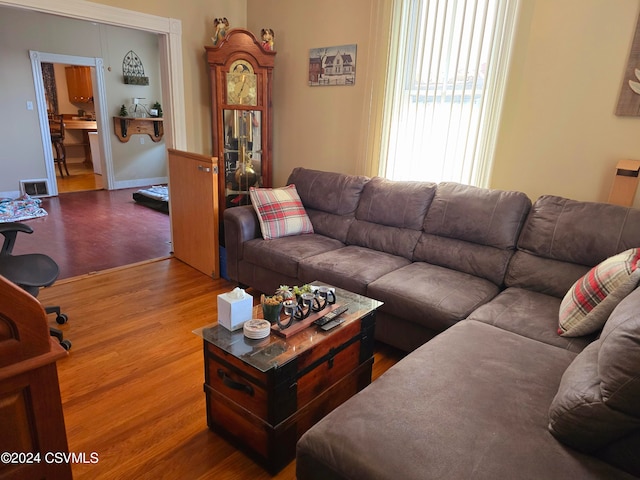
pixel 69 95
pixel 99 100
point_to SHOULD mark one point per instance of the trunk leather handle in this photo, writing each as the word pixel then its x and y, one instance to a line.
pixel 226 379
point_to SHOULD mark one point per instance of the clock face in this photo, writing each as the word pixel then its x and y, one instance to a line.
pixel 241 89
pixel 241 66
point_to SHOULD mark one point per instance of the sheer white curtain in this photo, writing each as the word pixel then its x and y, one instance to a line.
pixel 445 84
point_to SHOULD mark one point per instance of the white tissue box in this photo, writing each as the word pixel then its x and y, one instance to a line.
pixel 234 308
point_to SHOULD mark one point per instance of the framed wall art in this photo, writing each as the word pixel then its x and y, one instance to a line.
pixel 629 99
pixel 332 66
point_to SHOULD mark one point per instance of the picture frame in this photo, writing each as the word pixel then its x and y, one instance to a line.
pixel 629 98
pixel 331 66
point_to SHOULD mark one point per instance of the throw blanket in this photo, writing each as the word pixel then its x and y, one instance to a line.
pixel 23 208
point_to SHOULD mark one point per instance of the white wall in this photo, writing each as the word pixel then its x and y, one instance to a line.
pixel 559 133
pixel 316 127
pixel 22 154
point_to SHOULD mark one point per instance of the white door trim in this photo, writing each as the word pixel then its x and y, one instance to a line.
pixel 99 100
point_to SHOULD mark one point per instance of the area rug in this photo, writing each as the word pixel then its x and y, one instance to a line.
pixel 19 209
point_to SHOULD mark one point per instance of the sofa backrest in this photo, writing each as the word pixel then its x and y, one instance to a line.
pixel 329 198
pixel 390 215
pixel 562 239
pixel 473 230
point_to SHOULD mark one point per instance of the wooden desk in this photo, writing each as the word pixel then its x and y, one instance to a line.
pixel 85 126
pixel 30 405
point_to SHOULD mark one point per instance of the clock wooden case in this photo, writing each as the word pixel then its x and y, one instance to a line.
pixel 241 72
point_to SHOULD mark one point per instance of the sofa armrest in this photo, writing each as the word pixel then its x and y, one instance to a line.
pixel 240 225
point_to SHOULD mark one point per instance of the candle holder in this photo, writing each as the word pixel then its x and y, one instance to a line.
pixel 305 306
pixel 324 296
pixel 290 308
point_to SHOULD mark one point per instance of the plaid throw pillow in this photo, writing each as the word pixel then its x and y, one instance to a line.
pixel 280 212
pixel 589 302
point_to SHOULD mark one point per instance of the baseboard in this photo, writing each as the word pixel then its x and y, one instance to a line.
pixel 143 182
pixel 13 194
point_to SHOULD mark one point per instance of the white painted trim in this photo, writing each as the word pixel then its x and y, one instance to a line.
pixel 100 99
pixel 102 117
pixel 141 182
pixel 83 10
pixel 45 133
pixel 170 52
pixel 12 194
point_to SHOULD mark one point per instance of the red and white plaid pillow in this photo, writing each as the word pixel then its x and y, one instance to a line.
pixel 589 302
pixel 280 212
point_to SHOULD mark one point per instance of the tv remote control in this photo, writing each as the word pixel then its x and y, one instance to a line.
pixel 331 315
pixel 333 323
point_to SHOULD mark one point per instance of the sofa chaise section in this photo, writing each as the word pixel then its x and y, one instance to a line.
pixel 471 403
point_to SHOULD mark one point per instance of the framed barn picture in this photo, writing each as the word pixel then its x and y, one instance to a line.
pixel 332 66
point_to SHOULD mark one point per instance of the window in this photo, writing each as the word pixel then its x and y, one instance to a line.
pixel 445 84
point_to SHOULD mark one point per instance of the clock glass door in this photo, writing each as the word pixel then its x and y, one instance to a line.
pixel 242 154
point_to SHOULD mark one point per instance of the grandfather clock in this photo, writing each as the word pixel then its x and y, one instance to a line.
pixel 241 71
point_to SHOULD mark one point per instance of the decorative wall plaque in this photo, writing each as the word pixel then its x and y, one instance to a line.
pixel 629 99
pixel 133 70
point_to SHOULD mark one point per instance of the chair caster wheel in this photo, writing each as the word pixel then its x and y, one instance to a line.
pixel 66 344
pixel 62 319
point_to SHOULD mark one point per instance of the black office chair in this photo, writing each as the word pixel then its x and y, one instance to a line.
pixel 30 271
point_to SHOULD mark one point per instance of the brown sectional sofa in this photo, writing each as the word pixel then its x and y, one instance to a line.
pixel 432 253
pixel 488 270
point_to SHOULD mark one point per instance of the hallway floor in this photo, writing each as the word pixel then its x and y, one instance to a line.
pixel 89 231
pixel 81 177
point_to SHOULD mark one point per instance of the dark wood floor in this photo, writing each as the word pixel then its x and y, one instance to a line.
pixel 89 231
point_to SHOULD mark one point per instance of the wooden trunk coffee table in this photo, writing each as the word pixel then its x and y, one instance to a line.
pixel 262 395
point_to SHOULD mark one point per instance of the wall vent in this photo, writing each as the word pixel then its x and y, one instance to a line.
pixel 35 188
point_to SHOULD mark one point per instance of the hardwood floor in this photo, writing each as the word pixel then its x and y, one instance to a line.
pixel 95 230
pixel 132 385
pixel 81 178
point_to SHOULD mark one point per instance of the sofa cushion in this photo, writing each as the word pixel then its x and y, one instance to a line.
pixel 280 212
pixel 578 415
pixel 330 192
pixel 283 255
pixel 544 275
pixel 598 400
pixel 390 215
pixel 432 296
pixel 588 303
pixel 395 204
pixel 471 403
pixel 619 356
pixel 477 215
pixel 530 314
pixel 351 268
pixel 562 239
pixel 472 230
pixel 330 199
pixel 585 233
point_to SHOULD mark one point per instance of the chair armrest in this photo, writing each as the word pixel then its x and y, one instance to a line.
pixel 240 225
pixel 10 231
